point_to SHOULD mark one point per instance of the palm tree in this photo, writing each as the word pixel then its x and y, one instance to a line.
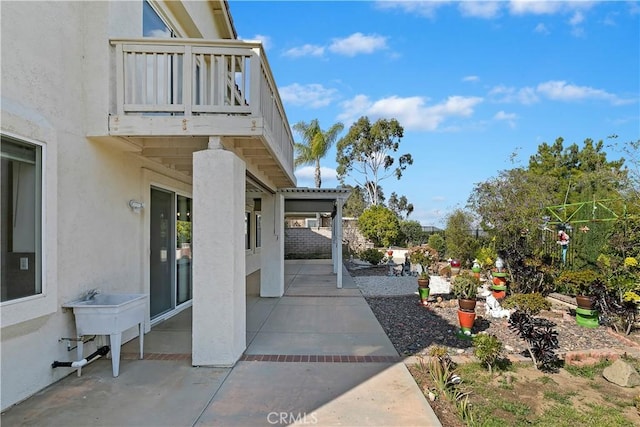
pixel 316 143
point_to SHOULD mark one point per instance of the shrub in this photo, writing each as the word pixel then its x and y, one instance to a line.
pixel 487 349
pixel 529 303
pixel 371 255
pixel 576 282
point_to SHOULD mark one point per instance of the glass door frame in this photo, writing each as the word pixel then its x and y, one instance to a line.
pixel 175 307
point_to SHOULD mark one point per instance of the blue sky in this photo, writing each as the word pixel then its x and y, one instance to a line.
pixel 472 83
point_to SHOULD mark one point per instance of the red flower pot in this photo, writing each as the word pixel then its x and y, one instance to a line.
pixel 466 319
pixel 499 281
pixel 498 294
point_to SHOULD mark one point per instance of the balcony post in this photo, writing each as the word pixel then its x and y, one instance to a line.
pixel 219 278
pixel 187 78
pixel 255 82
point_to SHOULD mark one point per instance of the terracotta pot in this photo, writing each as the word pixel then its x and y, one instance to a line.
pixel 585 301
pixel 499 281
pixel 466 319
pixel 423 283
pixel 467 304
pixel 498 294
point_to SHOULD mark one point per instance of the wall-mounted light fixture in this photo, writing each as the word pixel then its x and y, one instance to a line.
pixel 136 206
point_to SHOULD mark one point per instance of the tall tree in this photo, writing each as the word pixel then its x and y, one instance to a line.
pixel 316 143
pixel 355 203
pixel 460 243
pixel 369 150
pixel 400 205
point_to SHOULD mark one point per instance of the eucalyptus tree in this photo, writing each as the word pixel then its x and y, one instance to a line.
pixel 316 144
pixel 368 151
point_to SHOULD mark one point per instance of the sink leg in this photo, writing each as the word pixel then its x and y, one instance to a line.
pixel 116 341
pixel 80 353
pixel 141 339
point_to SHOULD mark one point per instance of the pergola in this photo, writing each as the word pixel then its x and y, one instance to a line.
pixel 304 200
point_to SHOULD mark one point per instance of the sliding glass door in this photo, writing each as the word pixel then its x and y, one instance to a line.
pixel 170 256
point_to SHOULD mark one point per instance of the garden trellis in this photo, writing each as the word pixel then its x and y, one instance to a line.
pixel 586 223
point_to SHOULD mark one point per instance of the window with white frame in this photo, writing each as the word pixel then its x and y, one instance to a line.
pixel 21 228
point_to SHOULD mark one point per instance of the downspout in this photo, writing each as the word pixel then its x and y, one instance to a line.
pixel 102 351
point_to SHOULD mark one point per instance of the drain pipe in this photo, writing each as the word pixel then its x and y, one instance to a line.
pixel 102 351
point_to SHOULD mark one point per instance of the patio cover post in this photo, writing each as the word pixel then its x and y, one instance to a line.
pixel 272 252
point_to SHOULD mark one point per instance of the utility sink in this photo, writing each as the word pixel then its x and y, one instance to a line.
pixel 109 314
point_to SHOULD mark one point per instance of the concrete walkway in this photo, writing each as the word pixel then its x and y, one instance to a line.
pixel 316 356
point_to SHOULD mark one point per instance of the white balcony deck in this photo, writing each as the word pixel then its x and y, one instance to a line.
pixel 190 89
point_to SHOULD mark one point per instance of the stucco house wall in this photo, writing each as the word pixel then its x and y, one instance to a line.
pixel 55 84
pixel 57 81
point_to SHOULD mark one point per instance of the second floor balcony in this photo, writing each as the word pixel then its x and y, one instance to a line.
pixel 182 91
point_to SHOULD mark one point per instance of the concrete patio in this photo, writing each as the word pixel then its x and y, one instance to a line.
pixel 315 356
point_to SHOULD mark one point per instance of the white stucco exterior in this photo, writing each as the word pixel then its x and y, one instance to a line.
pixel 58 83
pixel 64 89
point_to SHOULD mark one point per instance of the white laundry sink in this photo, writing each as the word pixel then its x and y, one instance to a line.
pixel 110 314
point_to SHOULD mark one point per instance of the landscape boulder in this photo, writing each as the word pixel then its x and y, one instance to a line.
pixel 622 374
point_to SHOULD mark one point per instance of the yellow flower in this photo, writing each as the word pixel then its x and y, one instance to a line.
pixel 630 262
pixel 631 296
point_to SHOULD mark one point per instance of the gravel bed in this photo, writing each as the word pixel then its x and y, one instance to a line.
pixel 413 328
pixel 397 285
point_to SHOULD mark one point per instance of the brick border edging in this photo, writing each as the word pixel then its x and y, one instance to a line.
pixel 317 358
pixel 156 356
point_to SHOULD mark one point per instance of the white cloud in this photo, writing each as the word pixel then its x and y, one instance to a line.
pixel 480 9
pixel 542 29
pixel 305 50
pixel 534 7
pixel 504 94
pixel 471 79
pixel 577 18
pixel 562 91
pixel 358 43
pixel 265 40
pixel 310 95
pixel 306 175
pixel 422 8
pixel 411 112
pixel 510 118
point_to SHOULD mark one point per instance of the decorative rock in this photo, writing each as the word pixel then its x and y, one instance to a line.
pixel 509 348
pixel 622 374
pixel 432 396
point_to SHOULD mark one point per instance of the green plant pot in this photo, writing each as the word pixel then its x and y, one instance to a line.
pixel 424 295
pixel 587 318
pixel 499 273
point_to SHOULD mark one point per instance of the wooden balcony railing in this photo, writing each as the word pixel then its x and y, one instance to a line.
pixel 196 77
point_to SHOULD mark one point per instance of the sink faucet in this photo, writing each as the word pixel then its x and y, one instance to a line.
pixel 91 293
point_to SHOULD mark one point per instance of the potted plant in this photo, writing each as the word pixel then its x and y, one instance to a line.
pixel 578 284
pixel 465 288
pixel 424 256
